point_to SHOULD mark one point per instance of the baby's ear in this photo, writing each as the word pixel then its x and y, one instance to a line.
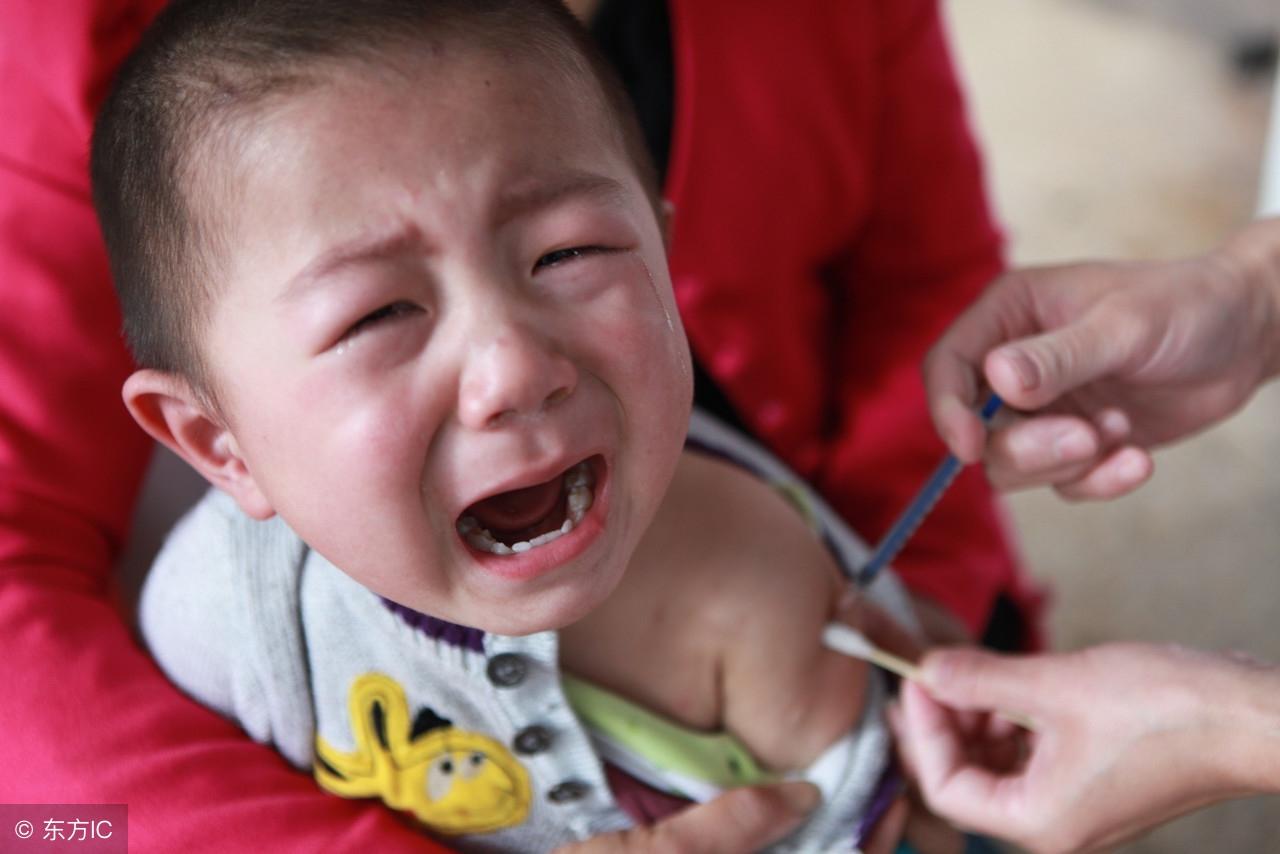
pixel 168 408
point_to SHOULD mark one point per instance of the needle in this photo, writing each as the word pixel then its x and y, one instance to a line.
pixel 906 524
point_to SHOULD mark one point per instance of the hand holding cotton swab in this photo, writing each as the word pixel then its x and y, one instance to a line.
pixel 853 643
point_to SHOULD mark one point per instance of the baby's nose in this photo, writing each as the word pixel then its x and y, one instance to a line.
pixel 515 372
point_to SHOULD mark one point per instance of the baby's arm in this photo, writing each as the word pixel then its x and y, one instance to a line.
pixel 784 694
pixel 740 587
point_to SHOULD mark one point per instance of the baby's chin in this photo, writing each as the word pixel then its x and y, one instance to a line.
pixel 551 613
pixel 522 615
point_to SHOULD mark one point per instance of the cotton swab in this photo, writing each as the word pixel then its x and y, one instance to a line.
pixel 853 643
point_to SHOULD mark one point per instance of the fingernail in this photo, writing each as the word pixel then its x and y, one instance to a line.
pixel 800 796
pixel 1132 467
pixel 1075 444
pixel 1113 424
pixel 1023 366
pixel 955 414
pixel 933 669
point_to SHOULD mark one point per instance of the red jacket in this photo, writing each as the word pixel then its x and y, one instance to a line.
pixel 860 132
pixel 830 221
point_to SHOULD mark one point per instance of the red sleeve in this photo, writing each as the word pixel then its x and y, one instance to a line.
pixel 86 717
pixel 927 249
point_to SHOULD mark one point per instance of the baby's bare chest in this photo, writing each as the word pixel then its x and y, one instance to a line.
pixel 655 650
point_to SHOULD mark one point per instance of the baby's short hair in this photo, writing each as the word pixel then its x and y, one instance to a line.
pixel 204 65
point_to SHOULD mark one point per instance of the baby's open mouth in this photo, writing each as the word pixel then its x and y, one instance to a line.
pixel 523 519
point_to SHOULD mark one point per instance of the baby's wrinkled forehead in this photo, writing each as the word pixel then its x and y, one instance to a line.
pixel 444 128
pixel 452 105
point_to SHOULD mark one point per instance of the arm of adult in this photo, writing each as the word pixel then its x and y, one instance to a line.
pixel 88 717
pixel 1114 359
pixel 747 819
pixel 740 820
pixel 1127 736
pixel 924 252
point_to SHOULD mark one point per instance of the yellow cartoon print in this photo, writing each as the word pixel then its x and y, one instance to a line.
pixel 452 780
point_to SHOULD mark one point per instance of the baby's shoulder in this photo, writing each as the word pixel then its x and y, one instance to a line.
pixel 216 544
pixel 219 613
pixel 759 583
pixel 743 542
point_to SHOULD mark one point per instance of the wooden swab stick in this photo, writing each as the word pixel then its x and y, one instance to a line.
pixel 851 642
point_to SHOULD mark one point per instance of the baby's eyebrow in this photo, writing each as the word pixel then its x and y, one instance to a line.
pixel 534 196
pixel 527 198
pixel 367 247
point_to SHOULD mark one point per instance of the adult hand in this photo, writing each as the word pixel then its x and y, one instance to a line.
pixel 746 819
pixel 1127 736
pixel 1114 358
pixel 739 820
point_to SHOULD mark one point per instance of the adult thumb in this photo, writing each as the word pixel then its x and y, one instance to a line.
pixel 1032 372
pixel 746 819
pixel 970 679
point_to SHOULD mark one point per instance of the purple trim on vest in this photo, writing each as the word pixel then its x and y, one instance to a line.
pixel 891 786
pixel 437 629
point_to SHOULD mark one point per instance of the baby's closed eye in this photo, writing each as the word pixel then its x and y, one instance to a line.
pixel 570 253
pixel 387 313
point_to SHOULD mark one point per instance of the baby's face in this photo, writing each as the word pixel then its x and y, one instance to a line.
pixel 447 310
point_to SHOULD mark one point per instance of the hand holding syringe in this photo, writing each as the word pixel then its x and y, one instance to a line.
pixel 847 640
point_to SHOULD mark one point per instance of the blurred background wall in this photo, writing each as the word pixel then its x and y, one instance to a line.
pixel 1132 129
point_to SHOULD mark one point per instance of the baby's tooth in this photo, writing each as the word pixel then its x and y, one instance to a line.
pixel 543 539
pixel 579 502
pixel 579 475
pixel 503 549
pixel 521 547
pixel 567 526
pixel 467 524
pixel 481 539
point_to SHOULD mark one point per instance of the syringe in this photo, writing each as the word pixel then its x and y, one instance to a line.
pixel 902 529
